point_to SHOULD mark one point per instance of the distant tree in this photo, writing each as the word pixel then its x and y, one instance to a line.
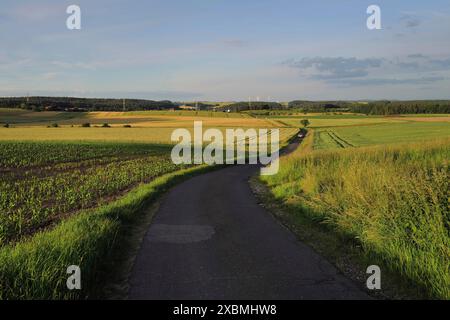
pixel 6 125
pixel 305 122
pixel 54 125
pixel 86 125
pixel 105 125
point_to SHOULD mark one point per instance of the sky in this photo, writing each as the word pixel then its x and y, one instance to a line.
pixel 226 50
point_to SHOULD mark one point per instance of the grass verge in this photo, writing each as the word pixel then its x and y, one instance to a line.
pixel 384 205
pixel 344 252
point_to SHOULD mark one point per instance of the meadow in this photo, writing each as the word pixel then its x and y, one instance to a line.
pixel 384 185
pixel 320 120
pixel 388 133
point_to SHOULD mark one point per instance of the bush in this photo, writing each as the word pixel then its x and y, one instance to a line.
pixel 54 125
pixel 86 125
pixel 127 126
pixel 305 122
pixel 105 125
pixel 6 125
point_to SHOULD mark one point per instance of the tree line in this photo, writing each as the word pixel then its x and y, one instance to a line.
pixel 250 105
pixel 402 107
pixel 382 107
pixel 83 104
pixel 320 106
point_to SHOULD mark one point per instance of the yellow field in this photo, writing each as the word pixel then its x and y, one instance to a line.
pixel 160 119
pixel 149 134
pixel 146 126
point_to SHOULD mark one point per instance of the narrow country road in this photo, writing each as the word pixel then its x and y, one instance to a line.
pixel 211 240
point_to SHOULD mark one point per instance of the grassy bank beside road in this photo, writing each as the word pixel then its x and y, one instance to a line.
pixel 392 199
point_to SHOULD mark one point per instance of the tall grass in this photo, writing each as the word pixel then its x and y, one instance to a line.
pixel 392 199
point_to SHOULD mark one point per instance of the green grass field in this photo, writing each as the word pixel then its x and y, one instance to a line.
pixel 358 136
pixel 329 121
pixel 365 183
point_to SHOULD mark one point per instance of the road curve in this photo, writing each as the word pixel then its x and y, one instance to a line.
pixel 211 240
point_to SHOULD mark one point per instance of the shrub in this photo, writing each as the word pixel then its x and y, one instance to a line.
pixel 305 122
pixel 105 125
pixel 6 125
pixel 86 125
pixel 127 126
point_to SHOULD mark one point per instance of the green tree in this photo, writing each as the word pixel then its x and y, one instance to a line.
pixel 305 122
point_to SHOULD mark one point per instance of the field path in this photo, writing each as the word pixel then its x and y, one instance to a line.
pixel 211 240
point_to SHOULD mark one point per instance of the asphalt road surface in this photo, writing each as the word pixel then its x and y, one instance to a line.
pixel 211 240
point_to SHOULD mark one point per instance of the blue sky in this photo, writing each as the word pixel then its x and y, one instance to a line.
pixel 226 49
